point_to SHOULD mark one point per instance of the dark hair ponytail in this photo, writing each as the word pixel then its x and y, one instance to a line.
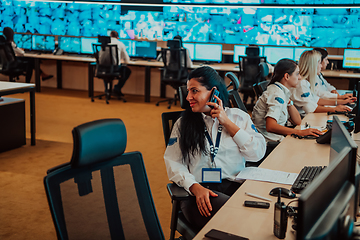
pixel 192 125
pixel 283 66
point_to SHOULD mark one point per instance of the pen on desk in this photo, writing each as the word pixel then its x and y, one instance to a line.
pixel 257 196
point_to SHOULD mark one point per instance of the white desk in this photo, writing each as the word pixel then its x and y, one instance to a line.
pixel 7 88
pixel 291 155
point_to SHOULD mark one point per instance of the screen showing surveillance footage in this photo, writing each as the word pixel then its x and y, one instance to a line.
pixel 306 27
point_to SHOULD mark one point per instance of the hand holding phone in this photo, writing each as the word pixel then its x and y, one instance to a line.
pixel 214 92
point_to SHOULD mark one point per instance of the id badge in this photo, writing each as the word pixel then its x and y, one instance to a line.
pixel 211 175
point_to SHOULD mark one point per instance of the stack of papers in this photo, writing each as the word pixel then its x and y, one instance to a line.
pixel 266 175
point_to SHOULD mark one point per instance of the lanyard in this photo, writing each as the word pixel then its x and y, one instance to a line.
pixel 214 150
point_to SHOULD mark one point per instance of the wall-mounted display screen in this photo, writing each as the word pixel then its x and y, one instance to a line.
pixel 302 27
pixel 191 49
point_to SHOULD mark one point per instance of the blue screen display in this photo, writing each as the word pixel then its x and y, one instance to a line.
pixel 274 54
pixel 86 45
pixel 43 43
pixel 23 41
pixel 298 52
pixel 208 52
pixel 303 27
pixel 70 44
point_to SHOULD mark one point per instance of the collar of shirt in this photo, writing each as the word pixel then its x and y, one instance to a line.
pixel 284 89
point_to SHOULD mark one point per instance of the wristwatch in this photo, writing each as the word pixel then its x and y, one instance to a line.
pixel 290 103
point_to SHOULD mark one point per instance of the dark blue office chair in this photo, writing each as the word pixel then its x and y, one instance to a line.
pixel 103 193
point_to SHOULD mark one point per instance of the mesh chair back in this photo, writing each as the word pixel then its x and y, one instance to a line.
pixel 175 63
pixel 107 60
pixel 105 199
pixel 250 70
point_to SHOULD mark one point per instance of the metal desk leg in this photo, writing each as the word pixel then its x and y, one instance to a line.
pixel 37 74
pixel 91 79
pixel 32 116
pixel 147 83
pixel 59 74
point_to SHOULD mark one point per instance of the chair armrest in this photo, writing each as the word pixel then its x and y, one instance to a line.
pixel 177 193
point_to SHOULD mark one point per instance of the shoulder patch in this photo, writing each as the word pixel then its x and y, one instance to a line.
pixel 172 141
pixel 305 94
pixel 316 84
pixel 280 100
pixel 253 127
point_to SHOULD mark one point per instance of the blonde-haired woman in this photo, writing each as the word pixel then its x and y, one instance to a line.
pixel 304 96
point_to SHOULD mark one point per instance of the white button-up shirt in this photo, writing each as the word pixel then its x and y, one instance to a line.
pixel 272 103
pixel 246 145
pixel 304 100
pixel 323 88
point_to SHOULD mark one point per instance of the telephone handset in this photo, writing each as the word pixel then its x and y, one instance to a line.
pixel 214 92
pixel 58 51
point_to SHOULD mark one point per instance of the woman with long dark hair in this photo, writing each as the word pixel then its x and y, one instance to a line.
pixel 29 64
pixel 209 146
pixel 274 108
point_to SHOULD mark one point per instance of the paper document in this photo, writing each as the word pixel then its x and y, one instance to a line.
pixel 266 175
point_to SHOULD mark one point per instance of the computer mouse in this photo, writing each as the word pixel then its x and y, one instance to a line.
pixel 286 193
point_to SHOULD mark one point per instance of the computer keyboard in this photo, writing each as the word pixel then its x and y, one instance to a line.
pixel 305 177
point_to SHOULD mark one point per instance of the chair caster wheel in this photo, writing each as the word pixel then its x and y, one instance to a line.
pixel 107 102
pixel 168 107
pixel 100 97
pixel 157 104
pixel 92 100
pixel 124 101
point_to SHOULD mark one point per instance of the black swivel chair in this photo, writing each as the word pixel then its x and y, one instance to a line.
pixel 175 72
pixel 10 65
pixel 177 194
pixel 103 193
pixel 234 96
pixel 249 71
pixel 261 86
pixel 107 68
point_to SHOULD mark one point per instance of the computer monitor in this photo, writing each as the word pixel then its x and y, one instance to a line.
pixel 340 138
pixel 208 52
pixel 351 58
pixel 298 52
pixel 239 50
pixel 86 45
pixel 43 43
pixel 70 44
pixel 144 49
pixel 274 54
pixel 23 41
pixel 328 201
pixel 191 49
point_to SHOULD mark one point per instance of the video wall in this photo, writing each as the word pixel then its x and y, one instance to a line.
pixel 310 27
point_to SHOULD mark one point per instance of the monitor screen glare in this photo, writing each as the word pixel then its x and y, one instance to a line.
pixel 208 52
pixel 86 45
pixel 351 58
pixel 191 48
pixel 69 44
pixel 43 43
pixel 239 50
pixel 274 54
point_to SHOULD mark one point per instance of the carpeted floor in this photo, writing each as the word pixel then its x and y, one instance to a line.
pixel 24 212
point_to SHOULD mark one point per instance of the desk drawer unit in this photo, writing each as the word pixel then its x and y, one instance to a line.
pixel 12 123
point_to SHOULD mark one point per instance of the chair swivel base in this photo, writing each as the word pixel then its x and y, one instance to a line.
pixel 107 97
